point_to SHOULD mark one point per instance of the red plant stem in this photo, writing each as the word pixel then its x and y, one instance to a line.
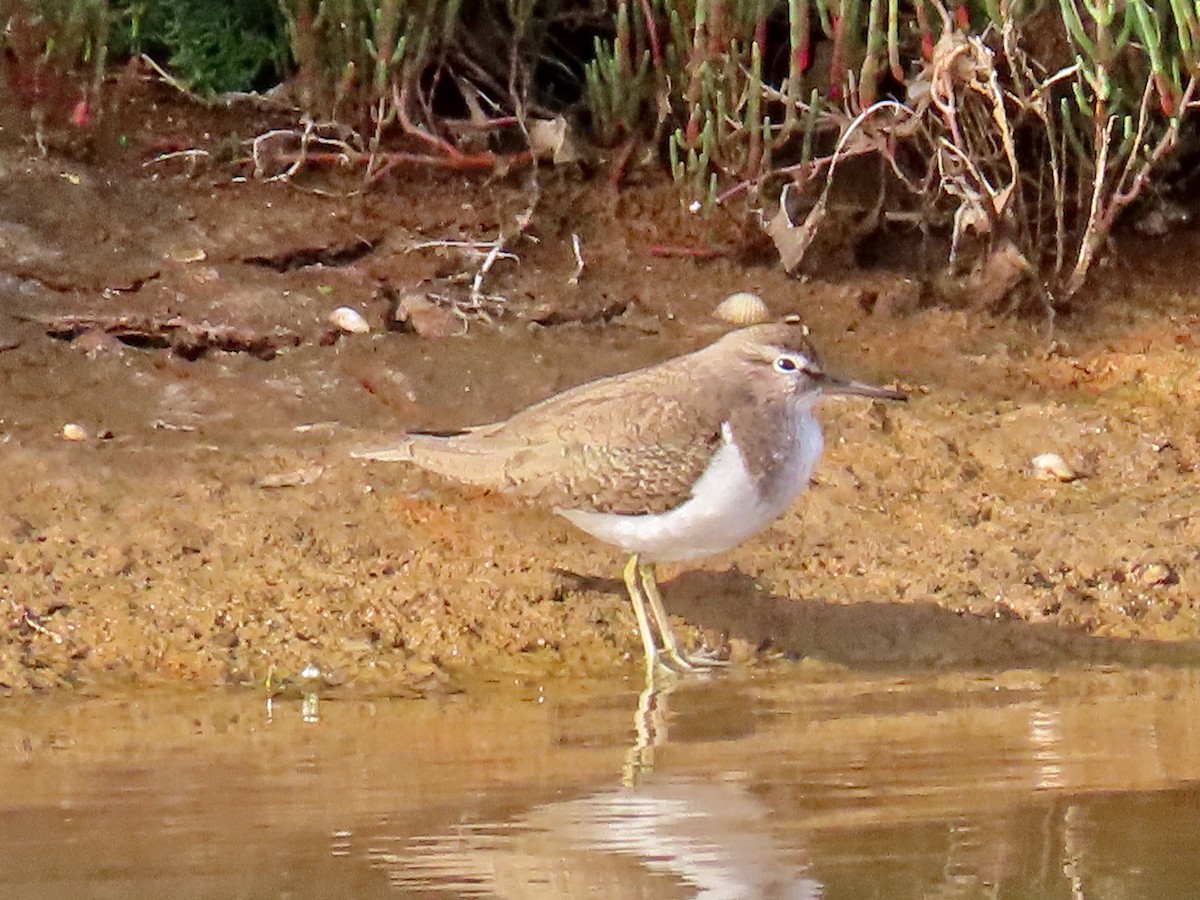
pixel 1166 98
pixel 923 27
pixel 400 99
pixel 962 16
pixel 620 166
pixel 656 56
pixel 760 28
pixel 694 65
pixel 837 66
pixel 716 30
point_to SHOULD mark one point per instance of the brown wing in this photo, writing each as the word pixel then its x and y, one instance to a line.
pixel 631 444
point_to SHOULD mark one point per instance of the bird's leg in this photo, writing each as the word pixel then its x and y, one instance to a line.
pixel 683 660
pixel 638 598
pixel 649 586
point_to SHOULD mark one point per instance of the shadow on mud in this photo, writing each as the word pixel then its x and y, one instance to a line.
pixel 871 635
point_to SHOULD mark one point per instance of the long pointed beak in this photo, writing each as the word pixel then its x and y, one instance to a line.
pixel 832 385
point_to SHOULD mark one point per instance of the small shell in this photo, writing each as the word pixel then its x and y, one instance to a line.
pixel 1052 467
pixel 73 432
pixel 349 320
pixel 742 308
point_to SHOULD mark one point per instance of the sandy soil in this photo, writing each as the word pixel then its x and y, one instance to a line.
pixel 211 528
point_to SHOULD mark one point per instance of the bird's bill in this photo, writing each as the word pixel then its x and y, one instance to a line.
pixel 834 385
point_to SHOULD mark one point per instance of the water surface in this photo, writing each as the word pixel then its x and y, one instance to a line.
pixel 792 784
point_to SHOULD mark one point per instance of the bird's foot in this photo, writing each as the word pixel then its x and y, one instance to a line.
pixel 677 661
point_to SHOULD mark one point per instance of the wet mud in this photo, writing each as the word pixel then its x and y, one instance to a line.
pixel 211 528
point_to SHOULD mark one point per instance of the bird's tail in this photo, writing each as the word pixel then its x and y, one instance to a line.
pixel 396 453
pixel 454 456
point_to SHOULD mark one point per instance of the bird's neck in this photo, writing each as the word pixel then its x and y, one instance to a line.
pixel 780 444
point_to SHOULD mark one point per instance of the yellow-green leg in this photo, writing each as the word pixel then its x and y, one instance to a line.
pixel 683 660
pixel 642 585
pixel 638 599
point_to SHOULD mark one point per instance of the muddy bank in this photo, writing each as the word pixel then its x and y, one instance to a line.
pixel 212 528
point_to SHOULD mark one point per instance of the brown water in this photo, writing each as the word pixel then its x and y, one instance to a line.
pixel 788 784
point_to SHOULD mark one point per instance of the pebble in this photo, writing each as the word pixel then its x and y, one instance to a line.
pixel 427 318
pixel 1052 467
pixel 349 320
pixel 74 432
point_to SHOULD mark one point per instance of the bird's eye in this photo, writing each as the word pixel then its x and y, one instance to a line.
pixel 786 364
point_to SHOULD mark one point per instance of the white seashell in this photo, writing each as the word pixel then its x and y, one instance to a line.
pixel 742 308
pixel 73 432
pixel 349 320
pixel 1052 467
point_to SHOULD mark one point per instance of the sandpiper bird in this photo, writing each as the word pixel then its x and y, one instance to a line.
pixel 675 462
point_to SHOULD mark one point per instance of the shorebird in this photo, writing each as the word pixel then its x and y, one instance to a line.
pixel 674 462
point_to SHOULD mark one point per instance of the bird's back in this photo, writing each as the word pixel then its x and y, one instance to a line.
pixel 632 443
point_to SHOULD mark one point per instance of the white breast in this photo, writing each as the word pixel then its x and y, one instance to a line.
pixel 725 509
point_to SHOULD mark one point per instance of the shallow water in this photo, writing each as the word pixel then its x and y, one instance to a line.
pixel 788 784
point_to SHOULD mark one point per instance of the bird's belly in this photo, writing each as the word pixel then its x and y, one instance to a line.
pixel 726 508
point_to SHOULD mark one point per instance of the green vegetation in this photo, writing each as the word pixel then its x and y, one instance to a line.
pixel 211 47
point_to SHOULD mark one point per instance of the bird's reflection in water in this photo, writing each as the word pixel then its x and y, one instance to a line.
pixel 649 837
pixel 649 725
